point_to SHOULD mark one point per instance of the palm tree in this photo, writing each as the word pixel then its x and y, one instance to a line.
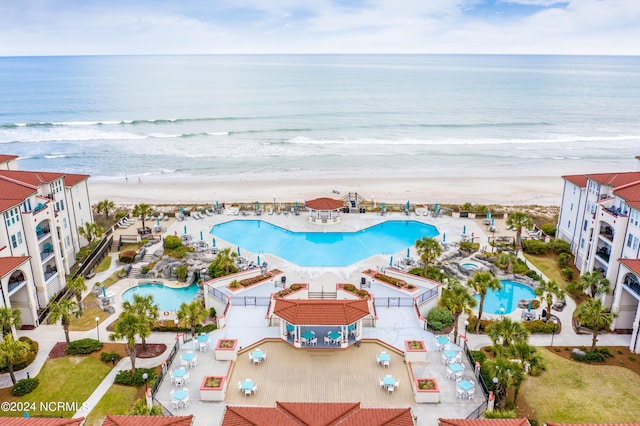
pixel 90 231
pixel 509 375
pixel 529 357
pixel 192 314
pixel 593 283
pixel 10 319
pixel 64 311
pixel 546 290
pixel 505 334
pixel 105 206
pixel 142 210
pixel 77 285
pixel 428 249
pixel 596 316
pixel 10 352
pixel 140 408
pixel 518 220
pixel 457 299
pixel 482 282
pixel 224 263
pixel 504 261
pixel 127 327
pixel 143 307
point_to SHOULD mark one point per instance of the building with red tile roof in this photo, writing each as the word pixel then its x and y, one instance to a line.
pixel 600 219
pixel 324 209
pixel 483 422
pixel 111 420
pixel 317 414
pixel 40 421
pixel 41 213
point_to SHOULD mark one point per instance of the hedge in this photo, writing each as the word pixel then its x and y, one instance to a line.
pixel 439 318
pixel 83 346
pixel 127 256
pixel 25 359
pixel 24 386
pixel 126 378
pixel 110 357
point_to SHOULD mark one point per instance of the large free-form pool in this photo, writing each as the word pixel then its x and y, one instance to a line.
pixel 323 248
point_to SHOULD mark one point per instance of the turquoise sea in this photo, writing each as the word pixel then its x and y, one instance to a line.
pixel 415 115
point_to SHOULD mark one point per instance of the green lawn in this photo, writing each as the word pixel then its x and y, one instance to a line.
pixel 572 392
pixel 103 265
pixel 65 383
pixel 117 400
pixel 548 265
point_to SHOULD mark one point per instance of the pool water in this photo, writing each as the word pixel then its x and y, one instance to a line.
pixel 323 248
pixel 506 298
pixel 167 299
pixel 470 266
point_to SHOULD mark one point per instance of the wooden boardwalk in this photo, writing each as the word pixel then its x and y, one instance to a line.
pixel 320 375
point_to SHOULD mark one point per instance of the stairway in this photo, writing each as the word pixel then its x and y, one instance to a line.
pixel 322 295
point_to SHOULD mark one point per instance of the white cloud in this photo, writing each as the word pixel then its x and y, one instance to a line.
pixel 316 26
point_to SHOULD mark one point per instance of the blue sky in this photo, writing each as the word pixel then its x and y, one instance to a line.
pixel 81 27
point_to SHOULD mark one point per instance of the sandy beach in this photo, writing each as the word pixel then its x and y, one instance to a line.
pixel 529 190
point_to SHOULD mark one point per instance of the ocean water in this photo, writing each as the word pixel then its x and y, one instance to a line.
pixel 343 115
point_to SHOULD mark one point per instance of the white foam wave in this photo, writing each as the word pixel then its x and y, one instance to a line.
pixel 217 133
pixel 58 134
pixel 301 140
pixel 54 155
pixel 164 135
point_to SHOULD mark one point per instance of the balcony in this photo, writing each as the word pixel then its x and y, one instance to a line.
pixel 634 286
pixel 604 254
pixel 15 285
pixel 607 232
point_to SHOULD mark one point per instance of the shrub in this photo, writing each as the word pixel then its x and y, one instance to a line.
pixel 539 326
pixel 206 328
pixel 559 246
pixel 469 247
pixel 439 318
pixel 126 378
pixel 484 324
pixel 172 242
pixel 212 312
pixel 520 268
pixel 548 229
pixel 144 270
pixel 563 260
pixel 534 247
pixel 567 273
pixel 110 357
pixel 632 358
pixel 24 386
pixel 479 356
pixel 25 359
pixel 181 272
pixel 532 274
pixel 234 284
pixel 83 346
pixel 390 280
pixel 127 256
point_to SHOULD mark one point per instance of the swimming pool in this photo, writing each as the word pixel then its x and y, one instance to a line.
pixel 470 266
pixel 167 299
pixel 323 248
pixel 506 298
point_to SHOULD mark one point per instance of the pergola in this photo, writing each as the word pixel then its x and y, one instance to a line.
pixel 344 315
pixel 324 209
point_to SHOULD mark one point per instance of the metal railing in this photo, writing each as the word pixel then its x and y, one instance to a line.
pixel 427 295
pixel 394 302
pixel 475 414
pixel 217 294
pixel 94 258
pixel 472 362
pixel 250 301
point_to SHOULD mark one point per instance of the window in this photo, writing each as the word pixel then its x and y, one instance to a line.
pixel 634 217
pixel 582 243
pixel 19 234
pixel 64 223
pixel 26 206
pixel 14 241
pixel 79 206
pixel 569 224
pixel 12 216
pixel 571 207
pixel 635 243
pixel 67 241
pixel 629 241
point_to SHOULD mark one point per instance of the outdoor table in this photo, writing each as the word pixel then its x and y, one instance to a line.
pixel 456 367
pixel 247 385
pixel 384 357
pixel 334 335
pixel 307 336
pixel 388 381
pixel 290 327
pixel 257 355
pixel 180 394
pixel 203 338
pixel 188 356
pixel 442 340
pixel 179 372
pixel 450 354
pixel 465 385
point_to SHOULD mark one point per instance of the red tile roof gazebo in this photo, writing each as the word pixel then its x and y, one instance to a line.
pixel 324 209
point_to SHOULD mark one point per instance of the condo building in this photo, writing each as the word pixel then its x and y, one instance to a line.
pixel 39 239
pixel 600 218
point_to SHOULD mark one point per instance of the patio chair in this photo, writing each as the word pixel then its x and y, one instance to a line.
pixel 385 364
pixel 185 379
pixel 397 383
pixel 381 383
pixel 450 374
pixel 247 392
pixel 179 382
pixel 254 389
pixel 313 341
pixel 193 362
pixel 328 340
pixel 460 394
pixel 239 386
pixel 470 393
pixel 185 402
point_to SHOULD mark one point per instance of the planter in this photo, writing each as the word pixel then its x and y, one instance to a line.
pixel 415 351
pixel 227 350
pixel 213 388
pixel 426 390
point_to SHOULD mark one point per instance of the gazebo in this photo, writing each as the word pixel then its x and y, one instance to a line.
pixel 324 210
pixel 321 323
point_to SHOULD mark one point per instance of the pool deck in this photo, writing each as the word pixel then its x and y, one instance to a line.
pixel 247 324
